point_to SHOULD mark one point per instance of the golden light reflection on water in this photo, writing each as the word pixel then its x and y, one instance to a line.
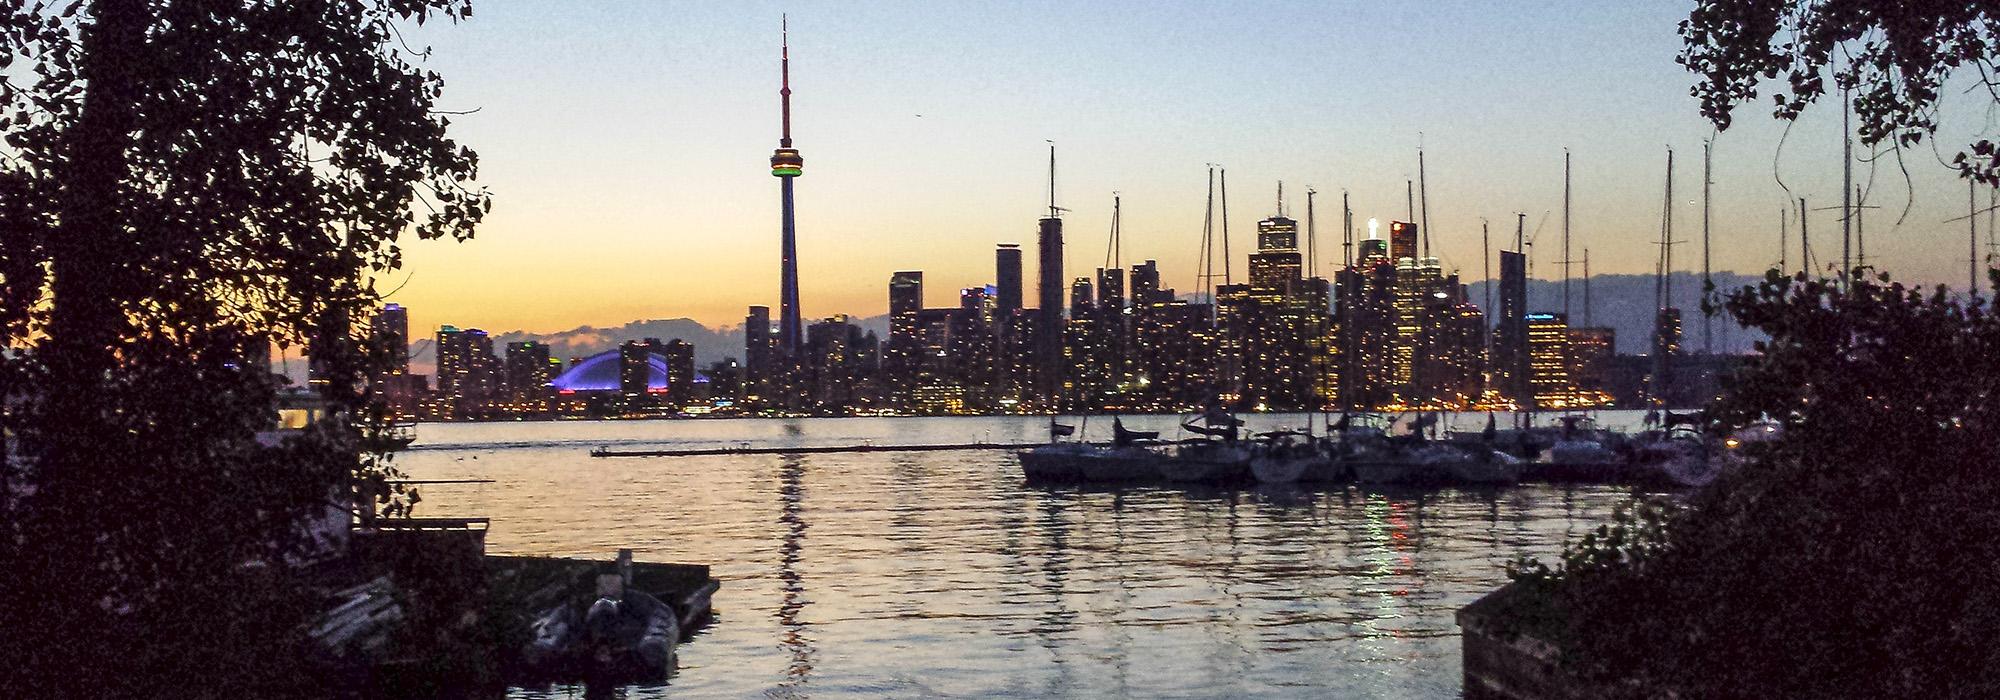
pixel 924 574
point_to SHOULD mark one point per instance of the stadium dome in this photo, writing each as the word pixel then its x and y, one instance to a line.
pixel 599 372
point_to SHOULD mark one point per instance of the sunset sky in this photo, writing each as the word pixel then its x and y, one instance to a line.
pixel 626 145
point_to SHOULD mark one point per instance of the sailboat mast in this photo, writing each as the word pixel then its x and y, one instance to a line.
pixel 1846 190
pixel 1586 288
pixel 1347 234
pixel 1312 236
pixel 1667 238
pixel 1707 278
pixel 1486 263
pixel 1226 278
pixel 1424 196
pixel 1565 262
pixel 1207 268
pixel 1805 241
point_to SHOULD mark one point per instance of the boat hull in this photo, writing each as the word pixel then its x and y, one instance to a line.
pixel 1282 470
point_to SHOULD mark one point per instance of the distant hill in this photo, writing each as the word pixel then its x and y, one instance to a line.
pixel 1625 303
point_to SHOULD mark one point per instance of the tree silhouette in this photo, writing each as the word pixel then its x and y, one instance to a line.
pixel 1893 57
pixel 186 183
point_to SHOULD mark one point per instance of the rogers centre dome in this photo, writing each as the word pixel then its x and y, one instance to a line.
pixel 599 372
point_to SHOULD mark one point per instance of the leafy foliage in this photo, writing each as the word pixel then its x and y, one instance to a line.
pixel 1848 561
pixel 1893 57
pixel 186 183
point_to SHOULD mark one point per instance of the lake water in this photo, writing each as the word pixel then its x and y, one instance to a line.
pixel 943 574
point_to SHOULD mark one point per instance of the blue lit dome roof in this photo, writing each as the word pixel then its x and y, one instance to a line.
pixel 599 372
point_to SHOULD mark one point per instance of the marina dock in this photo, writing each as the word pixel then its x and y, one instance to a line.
pixel 822 449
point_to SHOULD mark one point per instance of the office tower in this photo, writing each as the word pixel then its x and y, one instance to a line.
pixel 1591 350
pixel 1007 276
pixel 392 330
pixel 679 358
pixel 1146 285
pixel 906 298
pixel 1549 361
pixel 1510 341
pixel 787 165
pixel 1081 298
pixel 756 351
pixel 467 370
pixel 637 386
pixel 397 389
pixel 1276 263
pixel 528 376
pixel 1111 290
pixel 1402 240
pixel 839 363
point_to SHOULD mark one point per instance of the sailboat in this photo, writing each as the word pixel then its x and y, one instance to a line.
pixel 1215 457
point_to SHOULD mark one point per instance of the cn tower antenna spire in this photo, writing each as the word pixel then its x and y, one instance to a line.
pixel 785 76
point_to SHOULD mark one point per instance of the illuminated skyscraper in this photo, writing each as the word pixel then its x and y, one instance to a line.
pixel 1549 361
pixel 756 351
pixel 528 375
pixel 1276 263
pixel 1402 240
pixel 906 298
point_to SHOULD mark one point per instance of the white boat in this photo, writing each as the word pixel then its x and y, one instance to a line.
pixel 1056 461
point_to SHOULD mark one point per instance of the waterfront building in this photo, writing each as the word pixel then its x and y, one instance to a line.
pixel 468 373
pixel 529 371
pixel 757 360
pixel 1549 361
pixel 1590 351
pixel 398 390
pixel 638 361
pixel 1365 314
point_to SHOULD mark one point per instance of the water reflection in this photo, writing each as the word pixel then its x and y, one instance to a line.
pixel 792 599
pixel 943 574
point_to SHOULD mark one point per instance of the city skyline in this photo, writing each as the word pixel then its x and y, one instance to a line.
pixel 876 207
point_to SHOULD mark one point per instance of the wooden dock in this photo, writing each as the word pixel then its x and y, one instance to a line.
pixel 823 449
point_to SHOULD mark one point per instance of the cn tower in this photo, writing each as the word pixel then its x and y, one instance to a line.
pixel 786 164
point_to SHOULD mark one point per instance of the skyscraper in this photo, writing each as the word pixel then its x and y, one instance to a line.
pixel 1007 276
pixel 906 298
pixel 1510 347
pixel 1402 240
pixel 786 165
pixel 756 350
pixel 392 328
pixel 1276 264
pixel 1549 361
